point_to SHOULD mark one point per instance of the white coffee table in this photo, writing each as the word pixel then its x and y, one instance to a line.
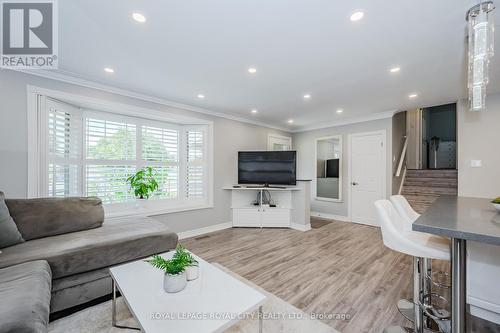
pixel 212 303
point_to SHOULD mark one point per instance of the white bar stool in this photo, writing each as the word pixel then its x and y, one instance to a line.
pixel 398 237
pixel 405 210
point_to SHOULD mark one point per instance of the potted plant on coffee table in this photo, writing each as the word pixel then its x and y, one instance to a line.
pixel 175 278
pixel 192 266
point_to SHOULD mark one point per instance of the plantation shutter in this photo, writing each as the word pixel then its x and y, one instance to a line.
pixel 160 150
pixel 195 167
pixel 110 158
pixel 64 151
pixel 109 140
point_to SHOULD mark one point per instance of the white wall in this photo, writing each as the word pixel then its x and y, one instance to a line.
pixel 306 162
pixel 229 137
pixel 413 131
pixel 479 139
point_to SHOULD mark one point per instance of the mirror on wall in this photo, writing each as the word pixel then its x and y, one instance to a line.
pixel 329 168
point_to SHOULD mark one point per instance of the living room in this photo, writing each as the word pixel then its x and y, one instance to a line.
pixel 239 167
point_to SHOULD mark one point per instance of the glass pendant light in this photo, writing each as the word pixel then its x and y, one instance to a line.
pixel 481 29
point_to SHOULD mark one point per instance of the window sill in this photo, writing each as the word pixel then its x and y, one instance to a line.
pixel 146 212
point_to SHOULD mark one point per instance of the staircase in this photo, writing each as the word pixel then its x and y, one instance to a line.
pixel 422 187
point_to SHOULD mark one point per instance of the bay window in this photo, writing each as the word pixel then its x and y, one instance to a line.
pixel 87 152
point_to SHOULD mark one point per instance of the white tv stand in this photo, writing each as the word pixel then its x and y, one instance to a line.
pixel 292 207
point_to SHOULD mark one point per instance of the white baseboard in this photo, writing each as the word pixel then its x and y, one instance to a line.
pixel 205 230
pixel 301 227
pixel 227 225
pixel 331 216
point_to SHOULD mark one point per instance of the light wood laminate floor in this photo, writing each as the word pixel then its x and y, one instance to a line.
pixel 336 268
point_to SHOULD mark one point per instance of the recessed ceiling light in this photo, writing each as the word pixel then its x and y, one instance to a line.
pixel 254 111
pixel 340 110
pixel 139 17
pixel 395 69
pixel 201 96
pixel 109 70
pixel 412 95
pixel 357 16
pixel 252 70
pixel 307 96
pixel 290 121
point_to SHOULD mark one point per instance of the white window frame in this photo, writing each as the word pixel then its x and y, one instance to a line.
pixel 37 151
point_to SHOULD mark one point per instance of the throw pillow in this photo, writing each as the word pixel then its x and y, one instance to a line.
pixel 9 235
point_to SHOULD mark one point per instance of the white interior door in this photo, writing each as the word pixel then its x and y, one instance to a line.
pixel 367 175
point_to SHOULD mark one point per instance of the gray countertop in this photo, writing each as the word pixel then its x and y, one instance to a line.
pixel 472 219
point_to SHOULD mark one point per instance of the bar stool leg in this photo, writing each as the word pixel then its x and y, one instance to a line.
pixel 427 265
pixel 414 311
pixel 418 287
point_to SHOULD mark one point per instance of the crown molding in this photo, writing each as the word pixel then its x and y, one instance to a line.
pixel 371 117
pixel 75 79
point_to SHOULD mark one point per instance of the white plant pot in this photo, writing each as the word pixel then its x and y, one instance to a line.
pixel 497 206
pixel 192 272
pixel 174 283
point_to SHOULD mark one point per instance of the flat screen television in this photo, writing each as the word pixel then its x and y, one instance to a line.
pixel 332 168
pixel 267 167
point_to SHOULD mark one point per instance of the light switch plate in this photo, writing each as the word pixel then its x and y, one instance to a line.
pixel 476 163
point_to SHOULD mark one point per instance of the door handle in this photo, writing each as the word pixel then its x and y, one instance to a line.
pixel 354 183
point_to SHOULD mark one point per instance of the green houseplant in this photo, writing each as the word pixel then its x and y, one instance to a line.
pixel 174 269
pixel 143 182
pixel 191 264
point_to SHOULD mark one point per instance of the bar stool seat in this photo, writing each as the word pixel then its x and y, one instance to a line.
pixel 404 209
pixel 409 216
pixel 397 237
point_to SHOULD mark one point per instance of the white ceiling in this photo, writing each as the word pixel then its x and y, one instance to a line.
pixel 189 47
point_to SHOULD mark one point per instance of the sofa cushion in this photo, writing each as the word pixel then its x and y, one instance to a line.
pixel 37 218
pixel 117 241
pixel 25 295
pixel 9 235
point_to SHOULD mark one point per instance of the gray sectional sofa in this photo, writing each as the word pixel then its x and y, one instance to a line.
pixel 25 297
pixel 68 248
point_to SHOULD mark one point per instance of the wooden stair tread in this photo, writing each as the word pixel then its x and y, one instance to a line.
pixel 422 187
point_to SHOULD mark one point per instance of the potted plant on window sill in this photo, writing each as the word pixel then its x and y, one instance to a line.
pixel 143 183
pixel 175 278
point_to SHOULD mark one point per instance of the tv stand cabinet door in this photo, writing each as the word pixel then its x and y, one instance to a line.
pixel 276 217
pixel 247 217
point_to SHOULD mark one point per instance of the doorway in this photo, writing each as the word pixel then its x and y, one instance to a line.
pixel 367 175
pixel 439 137
pixel 432 137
